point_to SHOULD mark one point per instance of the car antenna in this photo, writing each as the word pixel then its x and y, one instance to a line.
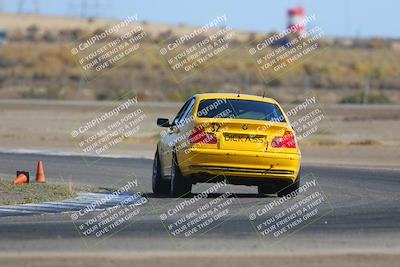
pixel 238 94
pixel 263 94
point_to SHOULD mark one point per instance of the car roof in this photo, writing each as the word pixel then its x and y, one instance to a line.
pixel 234 96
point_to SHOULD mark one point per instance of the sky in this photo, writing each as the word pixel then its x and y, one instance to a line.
pixel 339 18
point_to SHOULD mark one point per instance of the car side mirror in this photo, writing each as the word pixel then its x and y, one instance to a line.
pixel 163 122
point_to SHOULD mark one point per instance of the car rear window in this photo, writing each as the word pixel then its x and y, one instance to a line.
pixel 239 109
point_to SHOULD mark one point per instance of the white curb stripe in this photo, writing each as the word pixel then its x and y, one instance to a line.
pixel 15 211
pixel 84 200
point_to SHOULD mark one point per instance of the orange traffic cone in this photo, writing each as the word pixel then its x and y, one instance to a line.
pixel 40 178
pixel 21 178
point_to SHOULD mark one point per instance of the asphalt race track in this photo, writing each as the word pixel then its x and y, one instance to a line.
pixel 363 212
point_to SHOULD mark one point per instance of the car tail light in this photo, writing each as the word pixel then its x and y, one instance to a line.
pixel 286 141
pixel 200 136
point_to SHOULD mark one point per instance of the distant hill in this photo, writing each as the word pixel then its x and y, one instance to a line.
pixel 37 63
pixel 13 22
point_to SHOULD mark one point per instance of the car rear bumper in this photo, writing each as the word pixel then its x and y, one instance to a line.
pixel 246 165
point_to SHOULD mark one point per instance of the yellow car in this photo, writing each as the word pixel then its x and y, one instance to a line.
pixel 242 139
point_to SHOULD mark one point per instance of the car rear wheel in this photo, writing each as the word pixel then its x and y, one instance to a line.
pixel 159 185
pixel 290 188
pixel 180 185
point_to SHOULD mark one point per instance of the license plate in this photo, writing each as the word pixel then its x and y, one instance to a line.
pixel 244 138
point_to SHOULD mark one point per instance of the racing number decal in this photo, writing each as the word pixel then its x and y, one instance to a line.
pixel 215 127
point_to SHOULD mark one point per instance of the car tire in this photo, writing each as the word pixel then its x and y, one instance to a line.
pixel 180 185
pixel 290 188
pixel 159 185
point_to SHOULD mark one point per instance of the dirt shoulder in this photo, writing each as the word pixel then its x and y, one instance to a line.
pixel 11 194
